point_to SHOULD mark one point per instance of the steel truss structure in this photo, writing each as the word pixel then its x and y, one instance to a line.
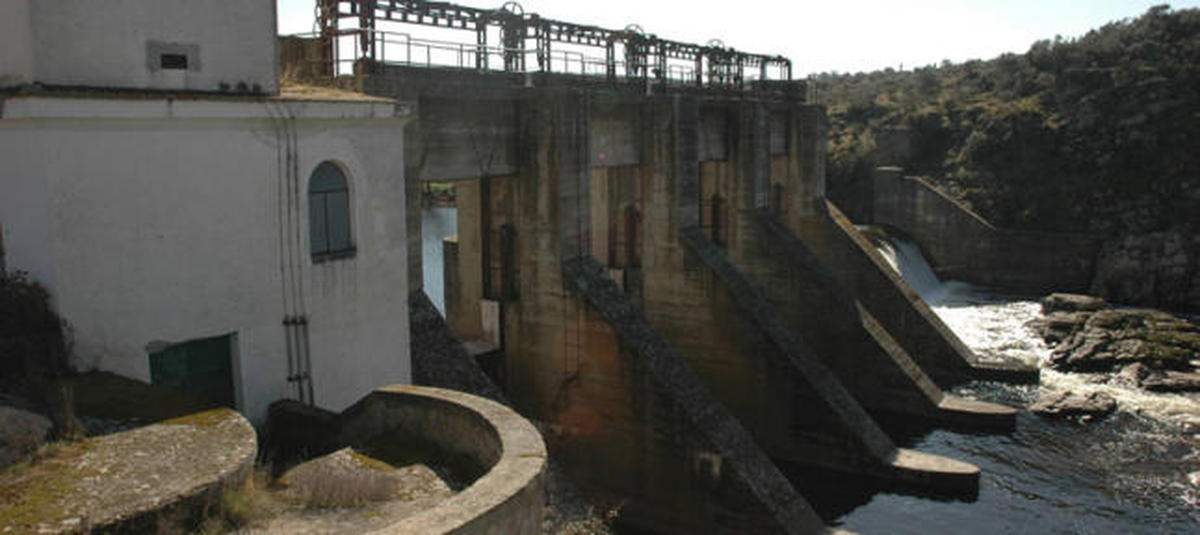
pixel 643 56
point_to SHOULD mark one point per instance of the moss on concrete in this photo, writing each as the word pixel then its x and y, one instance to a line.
pixel 107 482
pixel 31 494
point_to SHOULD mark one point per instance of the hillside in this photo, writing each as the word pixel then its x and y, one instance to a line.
pixel 1096 134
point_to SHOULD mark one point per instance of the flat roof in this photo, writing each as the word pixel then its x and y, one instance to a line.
pixel 287 91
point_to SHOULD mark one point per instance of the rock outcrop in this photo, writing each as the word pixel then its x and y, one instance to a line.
pixel 1069 404
pixel 1152 268
pixel 1150 348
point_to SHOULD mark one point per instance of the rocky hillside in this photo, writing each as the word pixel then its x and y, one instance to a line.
pixel 1095 134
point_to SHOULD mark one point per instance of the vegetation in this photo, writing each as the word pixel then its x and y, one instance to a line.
pixel 1095 133
pixel 33 353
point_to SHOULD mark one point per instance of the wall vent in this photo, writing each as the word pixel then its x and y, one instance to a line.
pixel 178 62
pixel 161 56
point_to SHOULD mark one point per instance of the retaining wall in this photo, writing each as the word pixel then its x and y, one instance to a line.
pixel 507 498
pixel 961 245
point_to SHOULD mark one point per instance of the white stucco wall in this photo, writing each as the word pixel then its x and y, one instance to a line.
pixel 16 43
pixel 168 221
pixel 104 44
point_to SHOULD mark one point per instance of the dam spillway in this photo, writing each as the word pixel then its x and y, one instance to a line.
pixel 670 295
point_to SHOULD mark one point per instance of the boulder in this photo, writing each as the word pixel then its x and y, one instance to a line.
pixel 21 432
pixel 1071 404
pixel 1172 381
pixel 1113 338
pixel 1057 326
pixel 1065 302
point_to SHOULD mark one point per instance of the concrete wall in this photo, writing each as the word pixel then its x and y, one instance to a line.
pixel 616 132
pixel 117 44
pixel 613 427
pixel 507 498
pixel 960 245
pixel 16 43
pixel 457 139
pixel 162 221
pixel 616 377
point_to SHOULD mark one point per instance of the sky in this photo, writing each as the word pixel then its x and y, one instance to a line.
pixel 831 35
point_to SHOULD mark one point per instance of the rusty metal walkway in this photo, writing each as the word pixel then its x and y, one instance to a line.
pixel 354 33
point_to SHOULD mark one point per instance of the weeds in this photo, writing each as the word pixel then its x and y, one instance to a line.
pixel 329 485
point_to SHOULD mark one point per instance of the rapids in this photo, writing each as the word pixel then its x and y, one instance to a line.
pixel 1136 471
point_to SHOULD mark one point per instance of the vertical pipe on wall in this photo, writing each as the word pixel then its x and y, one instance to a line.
pixel 282 218
pixel 3 264
pixel 306 355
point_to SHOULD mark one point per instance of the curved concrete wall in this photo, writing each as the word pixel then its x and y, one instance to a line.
pixel 120 483
pixel 507 498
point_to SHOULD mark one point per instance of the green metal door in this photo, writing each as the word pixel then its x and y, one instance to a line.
pixel 203 367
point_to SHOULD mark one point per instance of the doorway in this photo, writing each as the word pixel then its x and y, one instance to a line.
pixel 203 367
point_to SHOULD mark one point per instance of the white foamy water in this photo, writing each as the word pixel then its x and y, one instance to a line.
pixel 1135 471
pixel 996 329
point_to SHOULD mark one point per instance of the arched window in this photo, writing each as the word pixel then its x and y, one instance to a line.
pixel 329 213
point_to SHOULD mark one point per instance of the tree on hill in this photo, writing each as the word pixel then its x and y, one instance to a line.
pixel 1096 133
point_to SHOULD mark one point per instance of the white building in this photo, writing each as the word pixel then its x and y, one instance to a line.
pixel 195 224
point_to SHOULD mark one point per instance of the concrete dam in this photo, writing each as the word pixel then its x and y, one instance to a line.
pixel 647 263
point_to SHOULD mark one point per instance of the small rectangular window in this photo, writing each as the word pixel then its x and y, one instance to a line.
pixel 177 62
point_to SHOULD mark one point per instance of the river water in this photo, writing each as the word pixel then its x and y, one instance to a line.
pixel 1136 471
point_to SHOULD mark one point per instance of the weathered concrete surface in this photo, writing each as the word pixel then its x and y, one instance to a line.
pixel 507 498
pixel 855 263
pixel 867 359
pixel 961 245
pixel 439 359
pixel 671 161
pixel 116 482
pixel 567 369
pixel 679 383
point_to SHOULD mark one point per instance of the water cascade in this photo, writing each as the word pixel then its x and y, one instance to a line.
pixel 1136 471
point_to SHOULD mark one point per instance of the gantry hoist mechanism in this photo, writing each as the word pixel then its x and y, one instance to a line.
pixel 645 56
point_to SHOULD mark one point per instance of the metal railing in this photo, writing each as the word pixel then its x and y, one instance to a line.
pixel 401 48
pixel 352 32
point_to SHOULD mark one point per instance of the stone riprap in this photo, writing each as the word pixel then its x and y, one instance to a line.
pixel 116 482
